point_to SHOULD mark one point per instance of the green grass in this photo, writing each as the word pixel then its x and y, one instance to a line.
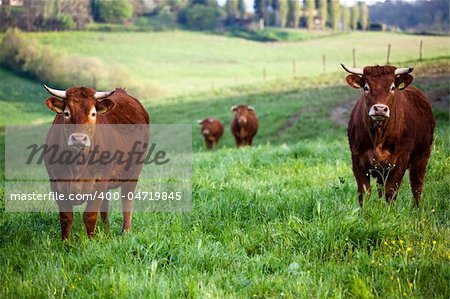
pixel 174 63
pixel 278 219
pixel 274 34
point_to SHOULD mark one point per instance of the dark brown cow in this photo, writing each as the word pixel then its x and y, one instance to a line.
pixel 244 125
pixel 90 116
pixel 212 131
pixel 390 130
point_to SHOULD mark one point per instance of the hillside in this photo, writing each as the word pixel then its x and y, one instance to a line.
pixel 280 219
pixel 166 64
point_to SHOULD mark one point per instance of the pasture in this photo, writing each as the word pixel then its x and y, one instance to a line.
pixel 280 219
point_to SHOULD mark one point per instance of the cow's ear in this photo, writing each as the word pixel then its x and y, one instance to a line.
pixel 104 106
pixel 402 81
pixel 55 104
pixel 355 81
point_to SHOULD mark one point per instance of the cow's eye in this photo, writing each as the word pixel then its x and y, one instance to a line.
pixel 392 87
pixel 366 88
pixel 66 113
pixel 93 114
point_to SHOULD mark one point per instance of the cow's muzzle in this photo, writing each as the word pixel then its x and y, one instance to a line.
pixel 242 120
pixel 379 112
pixel 78 141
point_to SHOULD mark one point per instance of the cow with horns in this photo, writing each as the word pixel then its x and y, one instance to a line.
pixel 83 125
pixel 244 124
pixel 390 130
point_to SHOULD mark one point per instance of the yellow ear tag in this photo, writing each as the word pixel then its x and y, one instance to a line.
pixel 401 85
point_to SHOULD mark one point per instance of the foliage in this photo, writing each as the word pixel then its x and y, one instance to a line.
pixel 345 17
pixel 48 15
pixel 309 12
pixel 282 14
pixel 335 14
pixel 354 17
pixel 293 13
pixel 201 17
pixel 113 11
pixel 418 16
pixel 364 16
pixel 231 10
pixel 323 12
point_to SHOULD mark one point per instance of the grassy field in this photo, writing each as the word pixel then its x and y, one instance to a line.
pixel 176 63
pixel 278 220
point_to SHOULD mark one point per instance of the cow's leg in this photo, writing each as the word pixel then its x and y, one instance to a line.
pixel 238 141
pixel 417 178
pixel 250 140
pixel 363 182
pixel 380 186
pixel 127 191
pixel 65 213
pixel 90 215
pixel 393 182
pixel 65 218
pixel 208 144
pixel 104 211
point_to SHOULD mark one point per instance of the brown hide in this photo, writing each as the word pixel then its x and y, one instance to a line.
pixel 80 111
pixel 212 131
pixel 244 125
pixel 384 147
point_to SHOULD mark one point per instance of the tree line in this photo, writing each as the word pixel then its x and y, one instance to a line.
pixel 33 15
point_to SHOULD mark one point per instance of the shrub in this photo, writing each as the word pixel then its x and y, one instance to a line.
pixel 113 11
pixel 201 17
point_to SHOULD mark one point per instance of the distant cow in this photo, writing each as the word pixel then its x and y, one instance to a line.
pixel 77 127
pixel 244 125
pixel 390 130
pixel 212 131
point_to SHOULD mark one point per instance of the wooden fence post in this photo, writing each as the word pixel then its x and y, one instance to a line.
pixel 421 50
pixel 388 60
pixel 354 57
pixel 324 60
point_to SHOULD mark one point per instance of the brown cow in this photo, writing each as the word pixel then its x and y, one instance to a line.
pixel 212 131
pixel 85 123
pixel 244 125
pixel 390 130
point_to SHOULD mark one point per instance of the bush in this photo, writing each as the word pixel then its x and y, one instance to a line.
pixel 113 11
pixel 201 17
pixel 26 56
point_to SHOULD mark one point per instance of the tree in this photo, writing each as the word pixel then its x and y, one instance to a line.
pixel 242 9
pixel 258 7
pixel 364 18
pixel 345 17
pixel 201 17
pixel 113 11
pixel 282 13
pixel 231 9
pixel 293 13
pixel 335 14
pixel 323 13
pixel 354 17
pixel 309 12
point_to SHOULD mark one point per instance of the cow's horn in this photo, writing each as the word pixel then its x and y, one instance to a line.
pixel 102 94
pixel 56 92
pixel 233 107
pixel 200 121
pixel 251 108
pixel 352 70
pixel 405 70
